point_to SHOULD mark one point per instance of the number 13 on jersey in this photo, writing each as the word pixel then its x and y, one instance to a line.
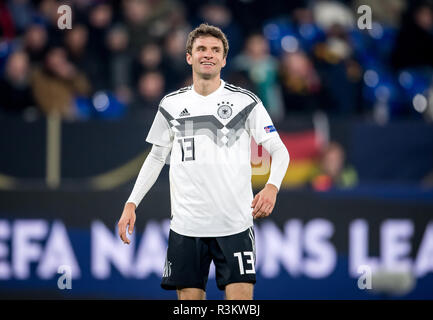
pixel 188 149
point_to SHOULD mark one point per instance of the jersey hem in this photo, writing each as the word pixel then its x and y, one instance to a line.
pixel 207 235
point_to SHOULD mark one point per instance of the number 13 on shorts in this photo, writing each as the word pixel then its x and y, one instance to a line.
pixel 248 255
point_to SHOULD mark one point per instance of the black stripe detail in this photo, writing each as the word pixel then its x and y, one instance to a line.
pixel 183 90
pixel 232 86
pixel 211 125
pixel 251 94
pixel 248 93
pixel 239 120
pixel 243 90
pixel 166 115
pixel 202 119
pixel 239 91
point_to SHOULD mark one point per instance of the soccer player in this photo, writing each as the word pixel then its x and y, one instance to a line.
pixel 207 127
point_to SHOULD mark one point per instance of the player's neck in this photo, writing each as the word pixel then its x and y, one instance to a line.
pixel 205 87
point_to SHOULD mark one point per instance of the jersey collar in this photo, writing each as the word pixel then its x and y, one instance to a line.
pixel 220 88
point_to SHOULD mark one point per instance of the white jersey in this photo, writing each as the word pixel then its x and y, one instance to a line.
pixel 210 161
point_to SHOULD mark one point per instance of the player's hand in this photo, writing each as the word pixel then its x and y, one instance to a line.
pixel 127 218
pixel 264 201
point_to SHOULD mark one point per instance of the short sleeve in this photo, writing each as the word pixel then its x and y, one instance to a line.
pixel 160 132
pixel 260 124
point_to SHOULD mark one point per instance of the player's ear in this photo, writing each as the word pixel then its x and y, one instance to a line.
pixel 223 62
pixel 188 58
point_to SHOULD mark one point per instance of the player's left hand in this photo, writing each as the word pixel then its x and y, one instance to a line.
pixel 264 201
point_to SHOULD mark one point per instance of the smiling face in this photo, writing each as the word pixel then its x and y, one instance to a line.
pixel 207 57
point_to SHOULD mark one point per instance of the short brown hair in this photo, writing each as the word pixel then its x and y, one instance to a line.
pixel 207 30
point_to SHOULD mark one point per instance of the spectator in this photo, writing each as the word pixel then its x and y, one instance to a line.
pixel 119 64
pixel 48 16
pixel 328 13
pixel 302 87
pixel 177 19
pixel 251 15
pixel 35 43
pixel 15 91
pixel 332 171
pixel 414 44
pixel 151 88
pixel 136 14
pixel 148 20
pixel 100 20
pixel 325 74
pixel 75 43
pixel 241 79
pixel 174 66
pixel 81 9
pixel 217 14
pixel 262 71
pixel 149 59
pixel 57 83
pixel 334 58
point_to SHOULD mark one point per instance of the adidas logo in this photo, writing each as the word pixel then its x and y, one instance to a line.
pixel 184 113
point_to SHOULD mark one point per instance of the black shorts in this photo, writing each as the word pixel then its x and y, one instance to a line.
pixel 188 260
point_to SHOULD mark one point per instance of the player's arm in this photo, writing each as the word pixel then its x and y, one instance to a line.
pixel 264 202
pixel 149 172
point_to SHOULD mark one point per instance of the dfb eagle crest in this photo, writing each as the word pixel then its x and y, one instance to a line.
pixel 225 110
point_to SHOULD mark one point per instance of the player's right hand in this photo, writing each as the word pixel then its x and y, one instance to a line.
pixel 127 218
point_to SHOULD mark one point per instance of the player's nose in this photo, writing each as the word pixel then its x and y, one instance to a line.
pixel 208 54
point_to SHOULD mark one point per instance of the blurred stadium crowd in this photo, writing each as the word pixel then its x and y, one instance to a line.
pixel 121 57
